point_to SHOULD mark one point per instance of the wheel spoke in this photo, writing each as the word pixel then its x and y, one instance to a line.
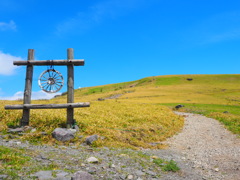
pixel 55 75
pixel 44 84
pixel 58 85
pixel 44 77
pixel 55 87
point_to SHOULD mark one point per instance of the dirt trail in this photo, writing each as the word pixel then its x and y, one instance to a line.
pixel 205 149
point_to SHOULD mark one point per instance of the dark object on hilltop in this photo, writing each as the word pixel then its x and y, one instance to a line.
pixel 189 79
pixel 179 106
pixel 225 112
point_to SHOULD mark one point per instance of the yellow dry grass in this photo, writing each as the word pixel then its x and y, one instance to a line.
pixel 119 124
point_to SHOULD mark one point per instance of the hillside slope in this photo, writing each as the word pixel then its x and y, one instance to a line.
pixel 215 96
pixel 202 89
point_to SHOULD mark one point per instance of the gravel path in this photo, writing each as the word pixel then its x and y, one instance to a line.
pixel 203 150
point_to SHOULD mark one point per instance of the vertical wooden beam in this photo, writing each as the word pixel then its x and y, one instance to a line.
pixel 70 88
pixel 28 89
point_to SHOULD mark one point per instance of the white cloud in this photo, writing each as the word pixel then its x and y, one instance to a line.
pixel 35 95
pixel 43 95
pixel 7 26
pixel 6 63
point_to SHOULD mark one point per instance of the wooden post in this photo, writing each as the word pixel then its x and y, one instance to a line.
pixel 70 88
pixel 28 89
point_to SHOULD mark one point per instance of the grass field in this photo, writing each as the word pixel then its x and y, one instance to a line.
pixel 142 112
pixel 119 124
pixel 216 96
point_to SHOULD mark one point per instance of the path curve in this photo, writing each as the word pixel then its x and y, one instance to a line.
pixel 204 149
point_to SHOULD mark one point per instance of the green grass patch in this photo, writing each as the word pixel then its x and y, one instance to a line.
pixel 166 165
pixel 107 88
pixel 168 80
pixel 17 161
pixel 229 115
pixel 12 161
pixel 206 108
pixel 231 121
pixel 94 90
pixel 144 81
pixel 12 158
pixel 171 166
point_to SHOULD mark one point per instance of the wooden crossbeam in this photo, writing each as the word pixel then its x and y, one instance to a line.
pixel 48 106
pixel 26 106
pixel 75 62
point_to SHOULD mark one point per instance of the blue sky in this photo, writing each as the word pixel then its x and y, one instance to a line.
pixel 120 40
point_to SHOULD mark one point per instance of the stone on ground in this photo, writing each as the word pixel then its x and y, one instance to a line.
pixel 90 139
pixel 92 160
pixel 81 175
pixel 63 134
pixel 43 175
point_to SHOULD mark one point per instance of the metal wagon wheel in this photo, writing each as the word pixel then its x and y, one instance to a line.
pixel 50 81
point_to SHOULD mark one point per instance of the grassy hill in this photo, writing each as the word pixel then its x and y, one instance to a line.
pixel 216 96
pixel 201 89
pixel 137 113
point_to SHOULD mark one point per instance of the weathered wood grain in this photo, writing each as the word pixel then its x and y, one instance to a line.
pixel 28 89
pixel 47 106
pixel 75 62
pixel 70 87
